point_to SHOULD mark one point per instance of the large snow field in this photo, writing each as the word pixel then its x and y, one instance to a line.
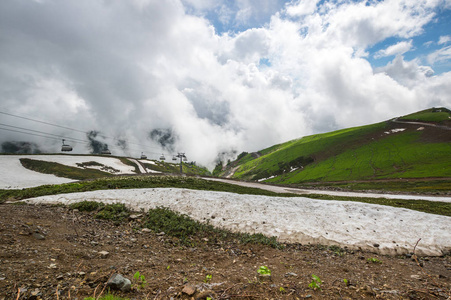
pixel 381 229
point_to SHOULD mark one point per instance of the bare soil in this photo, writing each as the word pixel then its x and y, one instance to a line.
pixel 49 252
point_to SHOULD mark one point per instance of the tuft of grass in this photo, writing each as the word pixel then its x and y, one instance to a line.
pixel 116 212
pixel 181 226
pixel 374 260
pixel 87 205
pixel 107 297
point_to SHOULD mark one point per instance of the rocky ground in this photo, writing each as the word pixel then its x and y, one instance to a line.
pixel 51 252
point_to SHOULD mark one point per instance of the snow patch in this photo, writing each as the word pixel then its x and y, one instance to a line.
pixel 295 220
pixel 395 130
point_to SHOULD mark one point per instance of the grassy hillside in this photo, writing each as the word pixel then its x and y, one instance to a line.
pixel 165 167
pixel 384 151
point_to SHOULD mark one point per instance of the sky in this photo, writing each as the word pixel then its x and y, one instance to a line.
pixel 213 78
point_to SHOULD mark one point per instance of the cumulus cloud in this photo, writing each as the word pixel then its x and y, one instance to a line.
pixel 160 74
pixel 399 48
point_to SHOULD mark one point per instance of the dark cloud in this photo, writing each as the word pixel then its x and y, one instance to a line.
pixel 20 147
pixel 95 145
pixel 164 137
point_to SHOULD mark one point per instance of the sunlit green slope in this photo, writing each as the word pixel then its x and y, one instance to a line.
pixel 398 148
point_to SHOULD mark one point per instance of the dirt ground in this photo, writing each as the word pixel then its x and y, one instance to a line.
pixel 50 252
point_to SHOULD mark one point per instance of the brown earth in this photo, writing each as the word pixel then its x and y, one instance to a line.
pixel 49 252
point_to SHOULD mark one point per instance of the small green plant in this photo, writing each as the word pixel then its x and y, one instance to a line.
pixel 264 270
pixel 316 283
pixel 346 282
pixel 107 297
pixel 208 278
pixel 140 280
pixel 168 267
pixel 374 260
pixel 282 290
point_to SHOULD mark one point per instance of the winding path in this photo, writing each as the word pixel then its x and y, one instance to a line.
pixel 282 189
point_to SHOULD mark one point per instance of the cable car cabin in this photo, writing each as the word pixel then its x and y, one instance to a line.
pixel 143 156
pixel 66 148
pixel 105 152
pixel 174 158
pixel 184 158
pixel 162 157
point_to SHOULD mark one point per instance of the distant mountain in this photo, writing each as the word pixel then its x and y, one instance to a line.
pixel 413 146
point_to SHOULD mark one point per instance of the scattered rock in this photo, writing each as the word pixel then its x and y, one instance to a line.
pixel 146 230
pixel 291 274
pixel 104 254
pixel 134 217
pixel 189 290
pixel 118 282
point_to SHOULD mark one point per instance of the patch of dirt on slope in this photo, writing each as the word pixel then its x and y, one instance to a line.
pixel 45 250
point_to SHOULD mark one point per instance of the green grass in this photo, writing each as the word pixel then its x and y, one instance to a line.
pixel 60 170
pixel 413 186
pixel 187 168
pixel 187 230
pixel 107 297
pixel 437 115
pixel 315 147
pixel 353 154
pixel 116 212
pixel 396 156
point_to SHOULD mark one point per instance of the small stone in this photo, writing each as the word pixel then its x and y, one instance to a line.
pixel 60 277
pixel 376 245
pixel 161 233
pixel 146 230
pixel 104 254
pixel 134 217
pixel 118 282
pixel 415 277
pixel 189 290
pixel 291 274
pixel 52 266
pixel 38 236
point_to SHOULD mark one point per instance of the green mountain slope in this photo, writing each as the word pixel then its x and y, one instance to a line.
pixel 414 146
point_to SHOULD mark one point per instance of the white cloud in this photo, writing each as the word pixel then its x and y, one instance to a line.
pixel 440 55
pixel 407 73
pixel 444 39
pixel 302 8
pixel 399 48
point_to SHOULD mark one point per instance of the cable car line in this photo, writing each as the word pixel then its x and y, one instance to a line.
pixel 77 130
pixel 61 136
pixel 42 122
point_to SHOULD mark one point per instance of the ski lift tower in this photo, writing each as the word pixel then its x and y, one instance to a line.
pixel 182 157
